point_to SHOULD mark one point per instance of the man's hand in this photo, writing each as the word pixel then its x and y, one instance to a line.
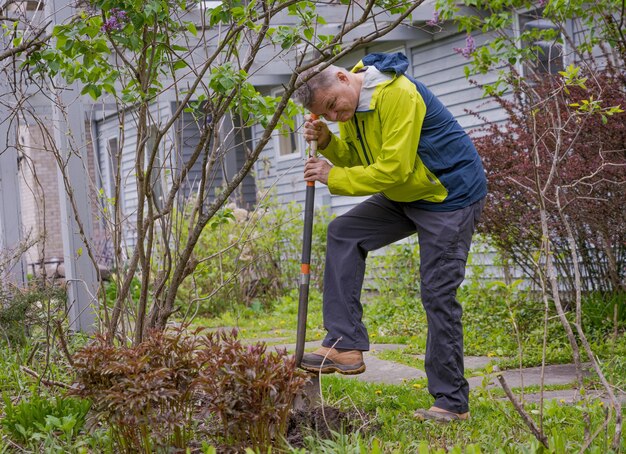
pixel 316 130
pixel 317 170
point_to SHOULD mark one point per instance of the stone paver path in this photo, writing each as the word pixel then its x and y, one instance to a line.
pixel 383 371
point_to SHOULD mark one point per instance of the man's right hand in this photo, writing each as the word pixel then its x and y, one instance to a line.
pixel 316 130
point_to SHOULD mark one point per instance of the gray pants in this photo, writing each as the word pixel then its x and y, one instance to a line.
pixel 444 240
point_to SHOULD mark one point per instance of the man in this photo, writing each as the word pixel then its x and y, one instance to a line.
pixel 399 143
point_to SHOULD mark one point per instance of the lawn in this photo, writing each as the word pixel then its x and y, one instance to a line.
pixel 356 416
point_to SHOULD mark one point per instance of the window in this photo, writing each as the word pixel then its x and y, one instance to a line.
pixel 157 171
pixel 287 142
pixel 34 5
pixel 112 155
pixel 545 40
pixel 208 5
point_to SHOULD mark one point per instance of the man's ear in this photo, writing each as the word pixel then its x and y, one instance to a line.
pixel 342 77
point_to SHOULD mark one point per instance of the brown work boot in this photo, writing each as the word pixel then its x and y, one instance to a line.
pixel 326 360
pixel 440 415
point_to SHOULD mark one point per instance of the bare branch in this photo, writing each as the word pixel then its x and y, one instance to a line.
pixel 518 407
pixel 35 42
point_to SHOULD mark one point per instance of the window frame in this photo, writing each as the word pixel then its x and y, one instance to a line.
pixel 517 29
pixel 299 139
pixel 112 164
pixel 157 179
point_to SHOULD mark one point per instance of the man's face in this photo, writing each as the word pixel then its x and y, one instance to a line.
pixel 339 101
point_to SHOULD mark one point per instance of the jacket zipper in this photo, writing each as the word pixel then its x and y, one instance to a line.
pixel 358 135
pixel 367 147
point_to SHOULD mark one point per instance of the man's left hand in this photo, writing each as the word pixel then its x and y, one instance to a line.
pixel 317 170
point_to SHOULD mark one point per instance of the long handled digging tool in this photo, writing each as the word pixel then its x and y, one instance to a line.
pixel 305 267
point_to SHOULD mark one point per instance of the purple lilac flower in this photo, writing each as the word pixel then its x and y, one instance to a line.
pixel 470 46
pixel 116 20
pixel 435 19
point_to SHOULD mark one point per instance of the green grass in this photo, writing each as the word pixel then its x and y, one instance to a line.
pixel 278 322
pixel 406 356
pixel 494 426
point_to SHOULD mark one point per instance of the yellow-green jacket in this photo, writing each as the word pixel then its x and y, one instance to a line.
pixel 404 143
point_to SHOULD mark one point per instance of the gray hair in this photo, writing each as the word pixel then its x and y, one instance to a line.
pixel 317 80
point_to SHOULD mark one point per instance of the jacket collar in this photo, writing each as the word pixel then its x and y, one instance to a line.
pixel 373 80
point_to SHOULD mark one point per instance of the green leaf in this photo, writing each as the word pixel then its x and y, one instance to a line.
pixel 108 88
pixel 61 40
pixel 192 28
pixel 180 64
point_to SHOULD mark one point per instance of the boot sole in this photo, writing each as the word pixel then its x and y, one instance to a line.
pixel 330 368
pixel 440 416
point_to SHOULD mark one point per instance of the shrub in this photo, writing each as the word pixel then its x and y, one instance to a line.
pixel 396 271
pixel 590 178
pixel 604 313
pixel 110 290
pixel 143 393
pixel 146 394
pixel 251 257
pixel 22 309
pixel 249 390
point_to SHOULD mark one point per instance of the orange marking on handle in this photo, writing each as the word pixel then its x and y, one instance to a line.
pixel 305 268
pixel 310 183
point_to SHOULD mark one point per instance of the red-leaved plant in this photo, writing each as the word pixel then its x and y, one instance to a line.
pixel 590 181
pixel 249 390
pixel 143 393
pixel 148 394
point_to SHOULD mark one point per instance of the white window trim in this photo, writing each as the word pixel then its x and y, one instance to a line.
pixel 209 5
pixel 110 163
pixel 110 183
pixel 300 144
pixel 161 168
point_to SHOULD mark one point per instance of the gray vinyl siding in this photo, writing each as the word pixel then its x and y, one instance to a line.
pixel 265 166
pixel 578 30
pixel 283 176
pixel 187 133
pixel 177 147
pixel 246 193
pixel 109 128
pixel 160 113
pixel 438 66
pixel 106 130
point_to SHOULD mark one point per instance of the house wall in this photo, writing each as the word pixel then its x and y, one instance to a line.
pixel 246 194
pixel 434 63
pixel 41 210
pixel 109 128
pixel 187 133
pixel 39 194
pixel 177 148
pixel 441 69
